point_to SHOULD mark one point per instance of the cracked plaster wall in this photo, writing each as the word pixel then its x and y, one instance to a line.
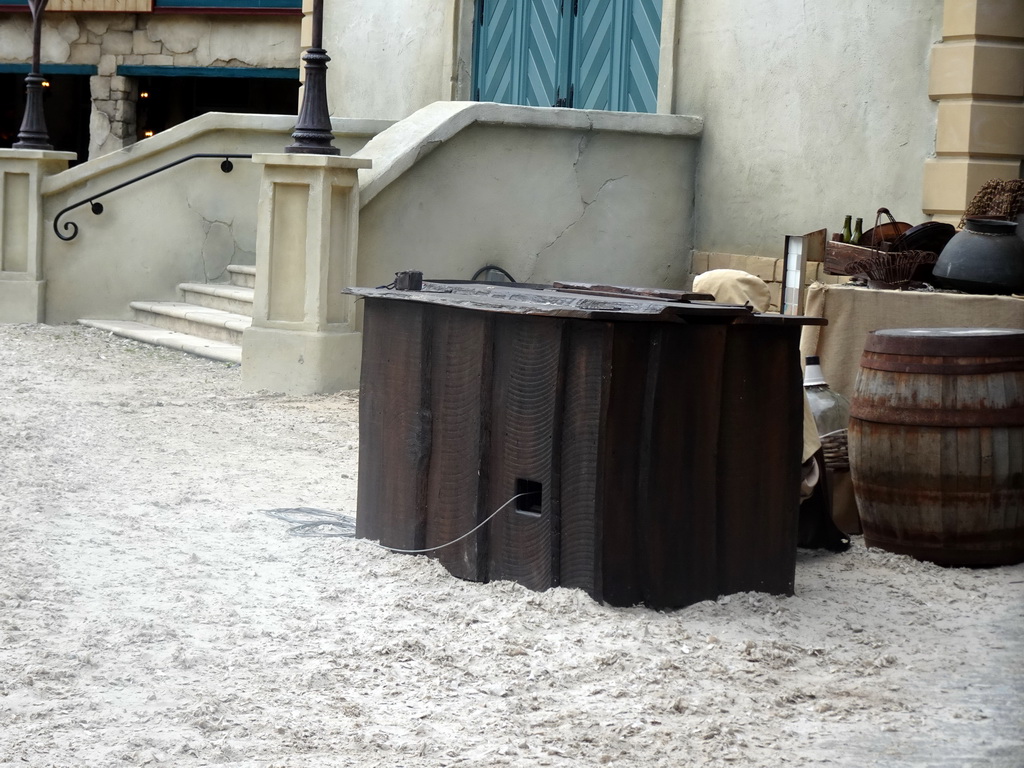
pixel 109 40
pixel 545 204
pixel 813 111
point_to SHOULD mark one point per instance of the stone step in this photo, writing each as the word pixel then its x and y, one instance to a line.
pixel 161 337
pixel 242 275
pixel 225 297
pixel 206 323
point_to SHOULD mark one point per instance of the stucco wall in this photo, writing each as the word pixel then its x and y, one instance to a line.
pixel 545 203
pixel 109 39
pixel 184 225
pixel 389 57
pixel 812 111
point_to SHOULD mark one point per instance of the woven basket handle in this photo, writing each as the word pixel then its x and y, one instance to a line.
pixel 898 243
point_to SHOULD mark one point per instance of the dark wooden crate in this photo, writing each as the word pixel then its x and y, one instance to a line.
pixel 839 255
pixel 667 448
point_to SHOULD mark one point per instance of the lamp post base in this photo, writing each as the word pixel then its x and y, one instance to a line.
pixel 313 133
pixel 33 133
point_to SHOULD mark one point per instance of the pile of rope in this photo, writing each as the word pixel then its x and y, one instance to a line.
pixel 997 199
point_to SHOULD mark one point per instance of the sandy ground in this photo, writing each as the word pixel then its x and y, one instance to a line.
pixel 150 614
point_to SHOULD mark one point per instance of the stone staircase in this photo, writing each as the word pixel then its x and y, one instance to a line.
pixel 207 322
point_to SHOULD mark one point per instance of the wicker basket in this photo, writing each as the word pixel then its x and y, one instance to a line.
pixel 837 455
pixel 893 267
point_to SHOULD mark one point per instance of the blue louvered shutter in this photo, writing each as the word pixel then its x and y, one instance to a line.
pixel 643 50
pixel 547 47
pixel 522 52
pixel 495 59
pixel 616 47
pixel 594 54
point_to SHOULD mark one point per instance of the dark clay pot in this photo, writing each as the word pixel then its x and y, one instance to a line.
pixel 986 256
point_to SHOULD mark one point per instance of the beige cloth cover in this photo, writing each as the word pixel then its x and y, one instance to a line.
pixel 734 286
pixel 852 313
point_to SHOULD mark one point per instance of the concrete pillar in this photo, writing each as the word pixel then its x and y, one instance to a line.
pixel 22 285
pixel 303 337
pixel 977 78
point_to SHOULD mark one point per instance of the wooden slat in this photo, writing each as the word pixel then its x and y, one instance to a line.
pixel 758 468
pixel 526 408
pixel 676 500
pixel 394 425
pixel 619 466
pixel 587 380
pixel 839 256
pixel 602 289
pixel 460 364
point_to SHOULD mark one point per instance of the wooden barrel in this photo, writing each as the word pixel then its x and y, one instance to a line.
pixel 936 444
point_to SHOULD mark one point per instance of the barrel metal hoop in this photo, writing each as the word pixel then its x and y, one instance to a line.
pixel 996 345
pixel 937 417
pixel 900 364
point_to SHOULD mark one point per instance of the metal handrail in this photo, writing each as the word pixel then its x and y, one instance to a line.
pixel 97 208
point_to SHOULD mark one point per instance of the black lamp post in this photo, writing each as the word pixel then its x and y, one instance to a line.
pixel 33 133
pixel 312 133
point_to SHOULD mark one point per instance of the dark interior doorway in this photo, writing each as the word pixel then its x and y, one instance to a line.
pixel 66 105
pixel 167 101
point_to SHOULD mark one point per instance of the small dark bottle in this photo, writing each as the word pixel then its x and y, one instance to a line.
pixel 857 233
pixel 847 234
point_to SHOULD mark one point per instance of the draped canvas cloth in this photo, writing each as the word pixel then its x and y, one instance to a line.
pixel 852 313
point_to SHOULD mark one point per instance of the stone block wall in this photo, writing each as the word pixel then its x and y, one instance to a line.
pixel 768 269
pixel 109 40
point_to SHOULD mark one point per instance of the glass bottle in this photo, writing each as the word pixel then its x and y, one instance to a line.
pixel 855 237
pixel 847 234
pixel 830 409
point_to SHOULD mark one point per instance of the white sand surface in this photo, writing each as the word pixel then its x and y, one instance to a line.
pixel 150 614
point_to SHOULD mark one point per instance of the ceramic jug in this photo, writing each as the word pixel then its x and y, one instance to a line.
pixel 986 256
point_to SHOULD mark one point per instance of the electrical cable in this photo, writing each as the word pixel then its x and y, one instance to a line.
pixel 303 526
pixel 347 524
pixel 454 541
pixel 495 268
pixel 485 268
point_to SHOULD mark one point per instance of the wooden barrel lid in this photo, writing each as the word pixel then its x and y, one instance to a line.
pixel 918 356
pixel 947 342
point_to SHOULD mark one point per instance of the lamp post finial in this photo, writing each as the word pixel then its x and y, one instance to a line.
pixel 313 133
pixel 33 133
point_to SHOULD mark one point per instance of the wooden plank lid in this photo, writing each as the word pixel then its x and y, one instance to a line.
pixel 602 303
pixel 947 342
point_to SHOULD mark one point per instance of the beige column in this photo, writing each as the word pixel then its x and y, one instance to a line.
pixel 22 284
pixel 303 337
pixel 977 78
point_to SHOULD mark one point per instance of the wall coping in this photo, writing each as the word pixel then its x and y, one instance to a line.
pixel 395 150
pixel 187 132
pixel 36 154
pixel 311 160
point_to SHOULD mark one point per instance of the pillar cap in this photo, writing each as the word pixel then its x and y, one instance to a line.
pixel 303 160
pixel 36 154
